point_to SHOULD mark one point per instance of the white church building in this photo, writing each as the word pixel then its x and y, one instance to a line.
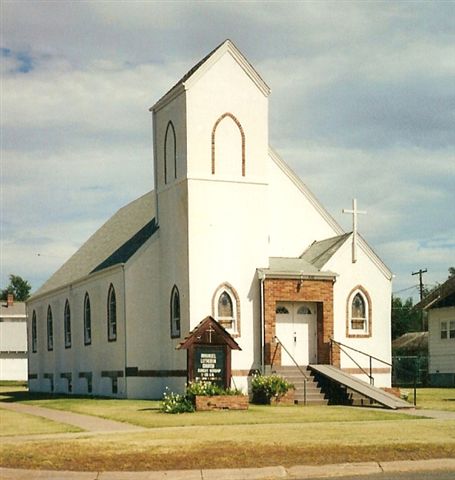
pixel 217 236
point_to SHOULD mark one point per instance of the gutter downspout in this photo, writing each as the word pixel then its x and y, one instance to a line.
pixel 124 326
pixel 262 322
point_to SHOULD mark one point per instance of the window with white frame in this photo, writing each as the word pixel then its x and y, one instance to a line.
pixel 67 324
pixel 447 329
pixel 226 308
pixel 111 315
pixel 50 329
pixel 34 332
pixel 359 310
pixel 444 330
pixel 87 321
pixel 175 312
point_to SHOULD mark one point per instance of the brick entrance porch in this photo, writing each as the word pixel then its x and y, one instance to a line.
pixel 319 291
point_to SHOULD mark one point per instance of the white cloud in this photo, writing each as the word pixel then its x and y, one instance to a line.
pixel 361 107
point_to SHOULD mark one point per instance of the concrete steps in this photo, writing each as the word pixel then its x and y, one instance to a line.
pixel 314 395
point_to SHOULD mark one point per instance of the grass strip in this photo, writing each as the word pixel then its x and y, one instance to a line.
pixel 69 456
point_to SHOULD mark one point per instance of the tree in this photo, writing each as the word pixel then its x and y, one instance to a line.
pixel 451 272
pixel 404 317
pixel 19 287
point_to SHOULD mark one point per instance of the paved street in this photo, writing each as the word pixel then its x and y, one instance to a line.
pixel 431 475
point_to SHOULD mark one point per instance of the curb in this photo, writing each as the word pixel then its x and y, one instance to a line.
pixel 264 473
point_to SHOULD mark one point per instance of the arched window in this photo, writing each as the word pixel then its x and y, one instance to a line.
pixel 67 324
pixel 170 153
pixel 34 332
pixel 175 312
pixel 87 321
pixel 359 313
pixel 226 308
pixel 111 315
pixel 50 329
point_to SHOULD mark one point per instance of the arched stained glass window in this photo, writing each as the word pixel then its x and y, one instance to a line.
pixel 67 324
pixel 111 315
pixel 225 308
pixel 175 312
pixel 34 333
pixel 87 321
pixel 50 329
pixel 359 312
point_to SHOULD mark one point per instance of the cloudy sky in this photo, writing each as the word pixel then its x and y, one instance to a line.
pixel 362 105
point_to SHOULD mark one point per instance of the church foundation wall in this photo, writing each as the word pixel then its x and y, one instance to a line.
pixel 297 290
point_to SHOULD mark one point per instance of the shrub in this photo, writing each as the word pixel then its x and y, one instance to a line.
pixel 175 403
pixel 265 387
pixel 208 389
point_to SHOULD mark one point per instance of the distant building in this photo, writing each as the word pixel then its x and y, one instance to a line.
pixel 440 305
pixel 13 340
pixel 411 343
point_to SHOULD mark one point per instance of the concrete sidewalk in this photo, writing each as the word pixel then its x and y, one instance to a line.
pixel 266 473
pixel 88 423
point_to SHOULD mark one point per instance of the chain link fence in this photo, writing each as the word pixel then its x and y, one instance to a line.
pixel 410 371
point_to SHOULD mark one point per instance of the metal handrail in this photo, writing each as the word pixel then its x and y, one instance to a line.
pixel 370 357
pixel 360 351
pixel 305 378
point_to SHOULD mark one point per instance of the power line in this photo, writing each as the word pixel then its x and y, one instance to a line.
pixel 404 289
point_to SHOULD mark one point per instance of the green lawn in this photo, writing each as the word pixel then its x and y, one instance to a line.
pixel 146 413
pixel 261 436
pixel 433 398
pixel 222 446
pixel 13 423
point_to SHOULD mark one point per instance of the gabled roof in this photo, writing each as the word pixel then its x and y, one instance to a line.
pixel 218 335
pixel 130 247
pixel 319 253
pixel 206 63
pixel 292 267
pixel 442 296
pixel 113 242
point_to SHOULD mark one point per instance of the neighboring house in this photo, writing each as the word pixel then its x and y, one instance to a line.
pixel 230 232
pixel 13 340
pixel 440 305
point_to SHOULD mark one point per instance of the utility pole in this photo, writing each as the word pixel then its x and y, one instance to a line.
pixel 420 273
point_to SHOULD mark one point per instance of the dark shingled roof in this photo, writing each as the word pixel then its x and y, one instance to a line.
pixel 319 253
pixel 116 235
pixel 130 247
pixel 442 296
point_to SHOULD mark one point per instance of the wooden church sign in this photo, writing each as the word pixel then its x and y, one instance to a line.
pixel 209 348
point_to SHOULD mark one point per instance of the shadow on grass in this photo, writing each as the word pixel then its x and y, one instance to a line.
pixel 21 396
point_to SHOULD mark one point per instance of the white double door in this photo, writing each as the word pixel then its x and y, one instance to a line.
pixel 297 331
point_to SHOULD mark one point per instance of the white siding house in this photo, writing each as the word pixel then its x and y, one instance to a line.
pixel 440 305
pixel 13 340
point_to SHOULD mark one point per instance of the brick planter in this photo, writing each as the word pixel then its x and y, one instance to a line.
pixel 221 402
